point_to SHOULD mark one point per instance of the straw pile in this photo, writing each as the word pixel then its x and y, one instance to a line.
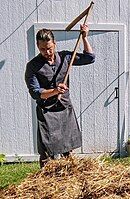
pixel 74 178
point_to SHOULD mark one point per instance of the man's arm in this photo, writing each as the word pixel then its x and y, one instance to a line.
pixel 36 91
pixel 88 56
pixel 84 31
pixel 60 89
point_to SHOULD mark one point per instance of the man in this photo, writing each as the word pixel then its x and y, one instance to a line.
pixel 58 131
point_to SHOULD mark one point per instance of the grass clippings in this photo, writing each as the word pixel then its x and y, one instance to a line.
pixel 74 178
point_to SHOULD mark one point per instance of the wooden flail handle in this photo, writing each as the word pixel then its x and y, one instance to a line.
pixel 77 19
pixel 77 43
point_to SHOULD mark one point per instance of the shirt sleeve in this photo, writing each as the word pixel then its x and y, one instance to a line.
pixel 82 58
pixel 32 83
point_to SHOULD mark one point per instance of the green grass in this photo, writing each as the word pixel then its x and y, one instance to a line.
pixel 124 161
pixel 11 174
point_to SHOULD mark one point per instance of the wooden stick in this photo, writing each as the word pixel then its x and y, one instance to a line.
pixel 77 19
pixel 75 51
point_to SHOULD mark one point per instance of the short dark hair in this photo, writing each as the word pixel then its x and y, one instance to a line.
pixel 44 35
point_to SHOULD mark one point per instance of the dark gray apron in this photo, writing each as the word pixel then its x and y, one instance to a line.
pixel 58 130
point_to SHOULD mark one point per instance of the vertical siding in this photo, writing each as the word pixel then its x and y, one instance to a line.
pixel 58 10
pixel 99 107
pixel 6 100
pixel 17 65
pixel 128 64
pixel 100 74
pixel 45 11
pixel 111 102
pixel 113 11
pixel 100 11
pixel 125 18
pixel 16 124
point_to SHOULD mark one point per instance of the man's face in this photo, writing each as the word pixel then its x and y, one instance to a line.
pixel 47 49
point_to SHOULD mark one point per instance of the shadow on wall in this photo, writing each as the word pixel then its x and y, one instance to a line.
pixel 107 101
pixel 31 42
pixel 2 64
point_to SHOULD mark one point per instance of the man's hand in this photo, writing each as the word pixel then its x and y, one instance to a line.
pixel 62 88
pixel 84 30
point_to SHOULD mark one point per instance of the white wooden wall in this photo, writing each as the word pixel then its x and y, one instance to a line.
pixel 17 134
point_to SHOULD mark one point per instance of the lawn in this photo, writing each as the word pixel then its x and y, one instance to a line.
pixel 15 173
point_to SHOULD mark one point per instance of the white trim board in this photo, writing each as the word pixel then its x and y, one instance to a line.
pixel 63 25
pixel 22 158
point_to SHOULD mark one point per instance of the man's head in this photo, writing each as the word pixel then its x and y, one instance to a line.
pixel 46 43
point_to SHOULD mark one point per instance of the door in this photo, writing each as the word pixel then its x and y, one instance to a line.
pixel 98 92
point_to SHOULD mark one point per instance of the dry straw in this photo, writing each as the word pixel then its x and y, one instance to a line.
pixel 74 178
